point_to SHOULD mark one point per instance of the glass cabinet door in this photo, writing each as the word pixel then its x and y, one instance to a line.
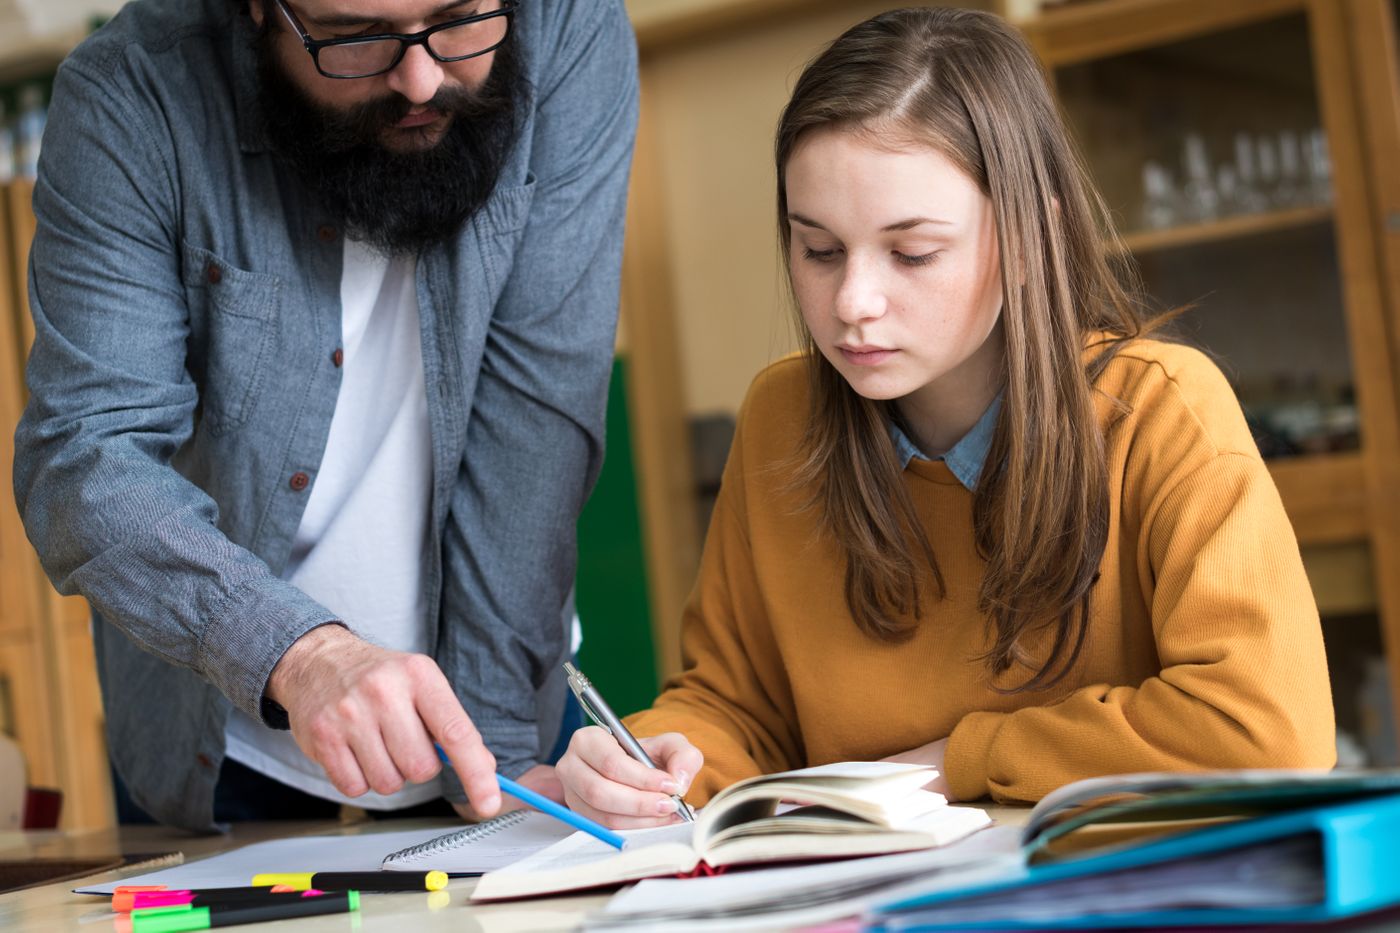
pixel 1230 145
pixel 1210 152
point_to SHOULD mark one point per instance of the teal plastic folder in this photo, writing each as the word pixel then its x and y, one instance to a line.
pixel 1344 859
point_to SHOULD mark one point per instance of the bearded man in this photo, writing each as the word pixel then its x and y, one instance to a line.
pixel 324 295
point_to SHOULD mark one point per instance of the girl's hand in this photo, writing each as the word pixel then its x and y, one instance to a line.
pixel 930 754
pixel 602 782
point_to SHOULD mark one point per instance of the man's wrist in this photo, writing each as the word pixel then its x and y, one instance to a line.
pixel 288 668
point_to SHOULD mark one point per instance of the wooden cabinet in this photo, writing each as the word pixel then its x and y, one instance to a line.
pixel 49 696
pixel 1248 165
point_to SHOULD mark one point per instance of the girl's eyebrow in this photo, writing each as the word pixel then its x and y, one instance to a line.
pixel 913 222
pixel 897 226
pixel 804 221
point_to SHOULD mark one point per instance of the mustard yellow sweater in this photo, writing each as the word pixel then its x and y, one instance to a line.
pixel 1204 648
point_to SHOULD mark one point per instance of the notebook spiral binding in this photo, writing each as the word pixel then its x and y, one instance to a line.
pixel 459 837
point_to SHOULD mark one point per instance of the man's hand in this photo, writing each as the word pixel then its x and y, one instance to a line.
pixel 541 779
pixel 603 783
pixel 369 716
pixel 930 754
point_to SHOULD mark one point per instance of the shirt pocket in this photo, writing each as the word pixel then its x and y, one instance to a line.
pixel 233 313
pixel 502 218
pixel 509 207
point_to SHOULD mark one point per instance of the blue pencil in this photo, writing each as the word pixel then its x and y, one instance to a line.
pixel 545 805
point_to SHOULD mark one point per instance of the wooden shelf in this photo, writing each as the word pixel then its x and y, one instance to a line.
pixel 1083 31
pixel 24 57
pixel 1230 228
pixel 1325 495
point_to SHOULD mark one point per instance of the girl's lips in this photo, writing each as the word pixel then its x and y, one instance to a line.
pixel 870 356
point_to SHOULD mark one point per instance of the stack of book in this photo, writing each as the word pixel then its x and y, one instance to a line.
pixel 1265 849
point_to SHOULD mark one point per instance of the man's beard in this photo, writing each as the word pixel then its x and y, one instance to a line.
pixel 399 202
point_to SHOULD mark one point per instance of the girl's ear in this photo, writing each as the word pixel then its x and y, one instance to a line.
pixel 256 11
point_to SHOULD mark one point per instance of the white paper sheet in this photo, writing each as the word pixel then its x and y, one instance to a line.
pixel 350 852
pixel 805 894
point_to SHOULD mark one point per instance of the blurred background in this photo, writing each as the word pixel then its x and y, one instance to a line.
pixel 1250 152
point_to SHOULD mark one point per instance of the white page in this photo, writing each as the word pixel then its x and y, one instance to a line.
pixel 582 849
pixel 350 852
pixel 582 861
pixel 806 894
pixel 864 770
pixel 484 847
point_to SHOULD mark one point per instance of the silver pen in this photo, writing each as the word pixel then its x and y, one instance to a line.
pixel 602 715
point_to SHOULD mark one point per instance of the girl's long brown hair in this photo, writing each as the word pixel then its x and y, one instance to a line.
pixel 967 84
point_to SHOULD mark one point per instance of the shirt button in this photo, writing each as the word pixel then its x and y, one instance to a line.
pixel 213 274
pixel 299 481
pixel 326 233
pixel 338 357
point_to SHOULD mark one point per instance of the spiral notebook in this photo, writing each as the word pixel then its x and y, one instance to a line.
pixel 483 847
pixel 465 850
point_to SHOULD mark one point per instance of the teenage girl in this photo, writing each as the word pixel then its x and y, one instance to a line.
pixel 983 521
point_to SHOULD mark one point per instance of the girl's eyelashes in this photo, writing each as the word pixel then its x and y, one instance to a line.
pixel 904 259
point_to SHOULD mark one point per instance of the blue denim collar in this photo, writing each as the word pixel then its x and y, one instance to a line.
pixel 965 458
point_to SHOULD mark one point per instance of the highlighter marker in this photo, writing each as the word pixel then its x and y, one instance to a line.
pixel 210 899
pixel 127 901
pixel 358 880
pixel 177 920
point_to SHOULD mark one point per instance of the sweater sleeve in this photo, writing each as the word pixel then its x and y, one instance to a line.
pixel 733 699
pixel 1243 680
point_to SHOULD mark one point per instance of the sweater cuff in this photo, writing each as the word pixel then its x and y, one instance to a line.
pixel 967 759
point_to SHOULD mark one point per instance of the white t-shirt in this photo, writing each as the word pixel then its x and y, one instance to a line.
pixel 362 544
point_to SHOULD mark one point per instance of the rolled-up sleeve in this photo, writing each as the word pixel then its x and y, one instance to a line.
pixel 111 402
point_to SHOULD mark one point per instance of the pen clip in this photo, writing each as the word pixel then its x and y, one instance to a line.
pixel 580 685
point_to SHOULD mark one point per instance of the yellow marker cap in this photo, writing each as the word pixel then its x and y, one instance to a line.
pixel 435 880
pixel 297 882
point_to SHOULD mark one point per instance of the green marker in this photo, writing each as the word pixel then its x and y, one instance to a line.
pixel 162 920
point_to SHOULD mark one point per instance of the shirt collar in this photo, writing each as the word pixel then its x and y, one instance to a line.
pixel 966 457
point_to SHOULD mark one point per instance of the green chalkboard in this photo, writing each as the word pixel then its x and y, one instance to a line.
pixel 618 652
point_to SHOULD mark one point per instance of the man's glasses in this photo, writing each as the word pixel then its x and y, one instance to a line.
pixel 367 56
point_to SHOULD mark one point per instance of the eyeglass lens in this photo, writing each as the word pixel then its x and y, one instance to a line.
pixel 365 58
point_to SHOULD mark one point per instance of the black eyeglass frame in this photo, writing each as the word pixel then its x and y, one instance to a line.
pixel 406 41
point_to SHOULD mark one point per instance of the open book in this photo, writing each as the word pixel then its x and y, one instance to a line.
pixel 843 810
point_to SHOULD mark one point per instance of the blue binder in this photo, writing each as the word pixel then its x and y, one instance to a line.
pixel 1358 843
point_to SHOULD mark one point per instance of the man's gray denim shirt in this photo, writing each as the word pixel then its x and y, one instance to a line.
pixel 186 300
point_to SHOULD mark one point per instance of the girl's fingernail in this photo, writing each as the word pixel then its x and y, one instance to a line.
pixel 666 806
pixel 683 779
pixel 670 787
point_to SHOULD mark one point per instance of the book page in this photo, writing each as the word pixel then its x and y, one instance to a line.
pixel 939 828
pixel 581 861
pixel 881 792
pixel 786 897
